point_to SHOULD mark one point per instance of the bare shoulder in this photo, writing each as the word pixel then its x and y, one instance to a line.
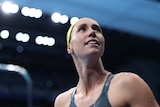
pixel 63 99
pixel 131 83
pixel 128 78
pixel 133 90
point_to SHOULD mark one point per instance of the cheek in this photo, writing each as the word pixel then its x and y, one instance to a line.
pixel 103 45
pixel 76 40
pixel 102 40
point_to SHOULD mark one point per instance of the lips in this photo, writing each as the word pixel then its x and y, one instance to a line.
pixel 93 41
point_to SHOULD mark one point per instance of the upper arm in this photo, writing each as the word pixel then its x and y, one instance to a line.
pixel 58 101
pixel 63 99
pixel 140 93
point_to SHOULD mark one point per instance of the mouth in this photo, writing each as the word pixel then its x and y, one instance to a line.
pixel 92 42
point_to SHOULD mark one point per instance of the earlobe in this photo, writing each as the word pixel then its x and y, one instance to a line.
pixel 70 50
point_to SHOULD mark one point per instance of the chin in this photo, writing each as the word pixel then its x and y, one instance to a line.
pixel 95 53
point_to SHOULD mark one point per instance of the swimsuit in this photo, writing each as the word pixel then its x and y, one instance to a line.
pixel 102 101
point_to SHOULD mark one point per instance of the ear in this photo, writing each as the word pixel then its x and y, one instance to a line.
pixel 69 50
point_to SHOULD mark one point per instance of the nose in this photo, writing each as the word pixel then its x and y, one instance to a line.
pixel 92 33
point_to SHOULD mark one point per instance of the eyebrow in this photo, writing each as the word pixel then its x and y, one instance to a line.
pixel 81 25
pixel 94 25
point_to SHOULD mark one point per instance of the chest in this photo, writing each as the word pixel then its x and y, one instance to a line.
pixel 95 99
pixel 88 100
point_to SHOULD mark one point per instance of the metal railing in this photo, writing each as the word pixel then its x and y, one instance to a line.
pixel 22 72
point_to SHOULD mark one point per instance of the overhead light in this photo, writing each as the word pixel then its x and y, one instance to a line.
pixel 58 18
pixel 64 19
pixel 31 12
pixel 4 34
pixel 24 37
pixel 74 20
pixel 45 40
pixel 9 7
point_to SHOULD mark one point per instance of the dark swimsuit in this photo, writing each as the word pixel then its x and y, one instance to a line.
pixel 102 101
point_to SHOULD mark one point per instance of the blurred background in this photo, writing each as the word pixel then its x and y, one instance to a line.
pixel 34 64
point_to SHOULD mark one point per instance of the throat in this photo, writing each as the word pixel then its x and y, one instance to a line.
pixel 92 79
pixel 90 86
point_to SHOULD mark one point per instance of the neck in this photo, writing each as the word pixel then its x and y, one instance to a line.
pixel 91 73
pixel 91 76
pixel 87 83
pixel 88 64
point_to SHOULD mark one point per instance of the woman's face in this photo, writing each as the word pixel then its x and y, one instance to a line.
pixel 86 38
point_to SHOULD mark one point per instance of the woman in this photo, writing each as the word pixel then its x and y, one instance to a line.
pixel 98 87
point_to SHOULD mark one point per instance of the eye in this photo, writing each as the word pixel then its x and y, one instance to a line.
pixel 82 29
pixel 97 28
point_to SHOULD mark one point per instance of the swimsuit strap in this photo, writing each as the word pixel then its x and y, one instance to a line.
pixel 109 78
pixel 72 98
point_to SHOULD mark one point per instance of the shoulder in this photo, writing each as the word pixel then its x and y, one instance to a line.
pixel 130 82
pixel 133 90
pixel 63 98
pixel 127 82
pixel 128 78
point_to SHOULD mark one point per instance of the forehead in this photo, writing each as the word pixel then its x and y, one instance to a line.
pixel 86 21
